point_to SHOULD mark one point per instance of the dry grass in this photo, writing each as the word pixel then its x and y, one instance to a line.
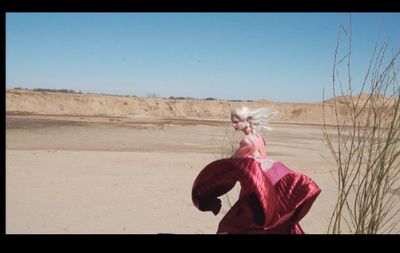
pixel 365 146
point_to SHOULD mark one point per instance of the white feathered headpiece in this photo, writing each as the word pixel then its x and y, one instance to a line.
pixel 258 118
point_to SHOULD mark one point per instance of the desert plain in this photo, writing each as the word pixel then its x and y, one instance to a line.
pixel 91 164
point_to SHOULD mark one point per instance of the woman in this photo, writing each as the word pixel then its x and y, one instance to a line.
pixel 273 198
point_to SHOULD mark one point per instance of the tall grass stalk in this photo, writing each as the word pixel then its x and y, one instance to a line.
pixel 229 145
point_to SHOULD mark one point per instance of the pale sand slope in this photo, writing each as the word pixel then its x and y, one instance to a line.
pixel 108 178
pixel 56 103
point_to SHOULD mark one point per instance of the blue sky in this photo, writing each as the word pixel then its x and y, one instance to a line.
pixel 284 57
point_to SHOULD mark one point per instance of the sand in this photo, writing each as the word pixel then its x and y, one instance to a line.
pixel 66 177
pixel 98 172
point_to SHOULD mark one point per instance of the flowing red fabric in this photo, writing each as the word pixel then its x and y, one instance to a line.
pixel 271 201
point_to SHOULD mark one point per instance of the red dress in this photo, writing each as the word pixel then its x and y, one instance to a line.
pixel 271 201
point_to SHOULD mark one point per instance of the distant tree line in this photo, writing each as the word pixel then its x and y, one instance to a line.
pixel 239 100
pixel 151 95
pixel 70 91
pixel 58 90
pixel 208 98
pixel 50 90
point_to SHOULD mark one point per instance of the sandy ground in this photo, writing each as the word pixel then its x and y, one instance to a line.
pixel 108 176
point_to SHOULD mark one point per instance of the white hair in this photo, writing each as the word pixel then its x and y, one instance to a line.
pixel 258 118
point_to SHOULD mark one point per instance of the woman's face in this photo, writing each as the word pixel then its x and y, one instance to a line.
pixel 237 123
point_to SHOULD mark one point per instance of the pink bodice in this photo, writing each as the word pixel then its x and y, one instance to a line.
pixel 246 149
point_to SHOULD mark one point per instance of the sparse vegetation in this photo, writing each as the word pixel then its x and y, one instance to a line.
pixel 365 144
pixel 230 143
pixel 182 98
pixel 150 95
pixel 57 90
pixel 238 100
pixel 70 91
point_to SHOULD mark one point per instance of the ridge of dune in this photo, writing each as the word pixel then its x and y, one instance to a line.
pixel 22 101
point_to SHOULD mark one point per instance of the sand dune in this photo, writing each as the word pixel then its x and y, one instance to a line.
pixel 21 101
pixel 55 103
